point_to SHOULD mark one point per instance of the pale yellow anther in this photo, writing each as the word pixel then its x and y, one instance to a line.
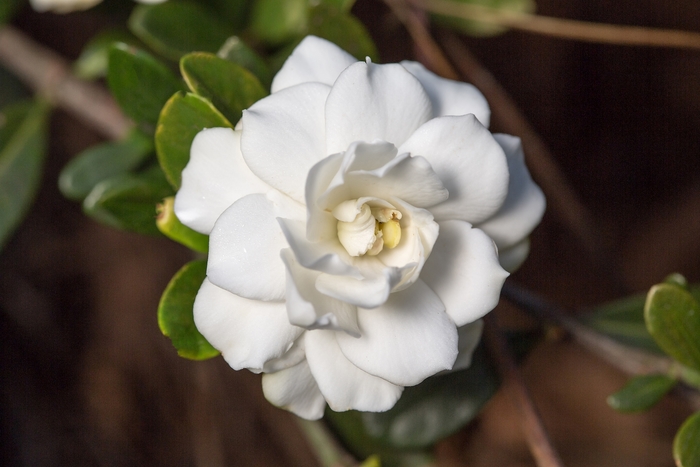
pixel 391 233
pixel 368 231
pixel 385 214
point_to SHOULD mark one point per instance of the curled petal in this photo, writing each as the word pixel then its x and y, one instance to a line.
pixel 249 333
pixel 511 258
pixel 407 339
pixel 215 177
pixel 463 270
pixel 292 357
pixel 320 224
pixel 295 389
pixel 469 337
pixel 345 386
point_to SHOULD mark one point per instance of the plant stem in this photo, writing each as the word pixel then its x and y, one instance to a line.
pixel 324 444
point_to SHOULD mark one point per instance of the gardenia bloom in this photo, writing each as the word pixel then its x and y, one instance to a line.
pixel 66 6
pixel 354 216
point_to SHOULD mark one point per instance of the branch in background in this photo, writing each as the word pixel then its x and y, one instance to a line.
pixel 49 76
pixel 564 28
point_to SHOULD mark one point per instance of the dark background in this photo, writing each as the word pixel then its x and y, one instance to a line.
pixel 87 378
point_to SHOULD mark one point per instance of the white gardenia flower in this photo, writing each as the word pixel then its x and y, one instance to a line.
pixel 354 216
pixel 66 6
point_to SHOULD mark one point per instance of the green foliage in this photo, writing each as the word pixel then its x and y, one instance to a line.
pixel 278 21
pixel 175 28
pixel 22 149
pixel 8 8
pixel 87 169
pixel 673 318
pixel 94 58
pixel 11 88
pixel 183 116
pixel 641 393
pixel 480 29
pixel 230 87
pixel 342 29
pixel 128 201
pixel 342 5
pixel 170 226
pixel 233 12
pixel 175 313
pixel 236 51
pixel 140 83
pixel 686 445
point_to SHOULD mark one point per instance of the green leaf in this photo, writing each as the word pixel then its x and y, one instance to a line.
pixel 480 29
pixel 87 169
pixel 677 279
pixel 8 8
pixel 236 51
pixel 686 445
pixel 673 318
pixel 641 393
pixel 22 150
pixel 230 87
pixel 232 12
pixel 278 21
pixel 344 30
pixel 342 5
pixel 129 201
pixel 168 223
pixel 175 28
pixel 183 116
pixel 11 88
pixel 175 313
pixel 140 83
pixel 94 58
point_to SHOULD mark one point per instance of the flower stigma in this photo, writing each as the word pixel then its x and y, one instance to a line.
pixel 369 230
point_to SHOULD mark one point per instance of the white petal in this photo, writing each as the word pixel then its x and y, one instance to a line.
pixel 283 136
pixel 314 59
pixel 470 164
pixel 469 336
pixel 292 357
pixel 511 258
pixel 345 386
pixel 310 309
pixel 321 225
pixel 249 333
pixel 245 244
pixel 215 177
pixel 450 97
pixel 464 272
pixel 525 204
pixel 294 389
pixel 405 340
pixel 370 102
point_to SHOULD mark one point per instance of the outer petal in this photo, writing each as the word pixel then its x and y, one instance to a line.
pixel 464 272
pixel 370 102
pixel 344 385
pixel 283 136
pixel 245 244
pixel 294 389
pixel 525 204
pixel 450 97
pixel 249 333
pixel 304 65
pixel 511 258
pixel 405 340
pixel 469 336
pixel 320 224
pixel 470 163
pixel 215 177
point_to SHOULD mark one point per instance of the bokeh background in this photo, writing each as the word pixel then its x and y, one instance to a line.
pixel 87 378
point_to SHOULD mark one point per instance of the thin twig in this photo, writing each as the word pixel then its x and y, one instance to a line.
pixel 49 75
pixel 564 28
pixel 540 445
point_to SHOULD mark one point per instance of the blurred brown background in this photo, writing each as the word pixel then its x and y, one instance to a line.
pixel 87 378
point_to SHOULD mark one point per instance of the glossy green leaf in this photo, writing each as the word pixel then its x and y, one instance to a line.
pixel 686 445
pixel 230 87
pixel 641 393
pixel 87 169
pixel 94 58
pixel 677 279
pixel 140 83
pixel 476 28
pixel 673 318
pixel 168 223
pixel 129 201
pixel 175 313
pixel 344 30
pixel 175 28
pixel 22 151
pixel 277 21
pixel 233 12
pixel 183 116
pixel 236 51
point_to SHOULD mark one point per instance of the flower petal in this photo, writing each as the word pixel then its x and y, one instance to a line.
pixel 215 177
pixel 450 97
pixel 469 337
pixel 511 258
pixel 463 270
pixel 245 244
pixel 283 136
pixel 370 102
pixel 292 357
pixel 525 204
pixel 313 60
pixel 345 386
pixel 470 164
pixel 295 389
pixel 405 340
pixel 249 333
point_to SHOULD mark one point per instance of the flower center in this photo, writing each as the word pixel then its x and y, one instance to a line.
pixel 367 230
